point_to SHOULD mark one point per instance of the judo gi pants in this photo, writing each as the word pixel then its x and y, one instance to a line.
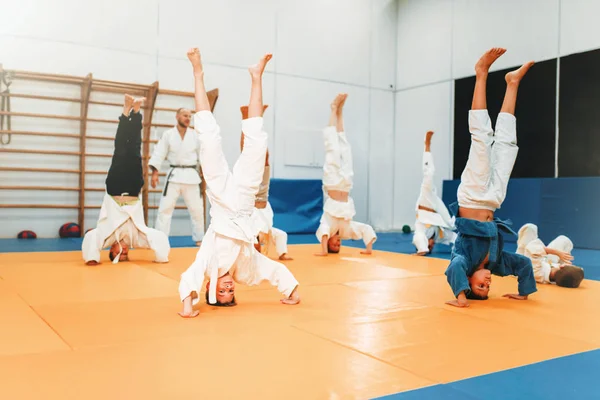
pixel 491 159
pixel 125 175
pixel 193 201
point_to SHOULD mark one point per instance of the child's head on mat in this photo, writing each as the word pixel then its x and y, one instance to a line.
pixel 115 249
pixel 225 291
pixel 569 276
pixel 334 244
pixel 480 283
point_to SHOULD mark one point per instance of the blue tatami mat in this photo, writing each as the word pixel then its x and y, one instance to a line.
pixel 571 377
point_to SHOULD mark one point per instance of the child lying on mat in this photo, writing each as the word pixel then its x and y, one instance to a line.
pixel 551 264
pixel 478 250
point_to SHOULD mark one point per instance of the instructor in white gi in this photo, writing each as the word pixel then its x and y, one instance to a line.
pixel 180 146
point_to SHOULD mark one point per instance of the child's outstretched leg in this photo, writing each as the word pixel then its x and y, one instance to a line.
pixel 249 168
pixel 475 179
pixel 505 150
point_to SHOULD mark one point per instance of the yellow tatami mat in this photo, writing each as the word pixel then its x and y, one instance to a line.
pixel 367 326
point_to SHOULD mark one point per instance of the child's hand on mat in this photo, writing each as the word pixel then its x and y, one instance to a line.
pixel 461 301
pixel 515 296
pixel 293 299
pixel 458 303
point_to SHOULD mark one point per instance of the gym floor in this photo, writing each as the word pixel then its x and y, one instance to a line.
pixel 368 327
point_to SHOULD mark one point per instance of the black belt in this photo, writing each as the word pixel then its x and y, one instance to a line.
pixel 171 171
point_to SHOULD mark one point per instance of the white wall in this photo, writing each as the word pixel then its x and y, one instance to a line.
pixel 320 48
pixel 440 40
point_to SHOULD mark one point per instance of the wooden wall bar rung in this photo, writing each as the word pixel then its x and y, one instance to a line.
pixel 40 97
pixel 38 206
pixel 166 92
pixel 121 84
pixel 108 103
pixel 64 171
pixel 109 138
pixel 52 152
pixel 49 134
pixel 98 155
pixel 32 115
pixel 45 78
pixel 57 188
pixel 118 90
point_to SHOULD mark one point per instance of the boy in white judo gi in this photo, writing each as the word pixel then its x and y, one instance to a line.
pixel 181 147
pixel 433 224
pixel 478 251
pixel 551 264
pixel 121 222
pixel 227 254
pixel 263 214
pixel 336 222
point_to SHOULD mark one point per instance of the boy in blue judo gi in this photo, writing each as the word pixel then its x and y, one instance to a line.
pixel 478 250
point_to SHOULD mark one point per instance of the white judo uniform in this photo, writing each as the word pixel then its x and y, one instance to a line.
pixel 338 174
pixel 530 246
pixel 228 244
pixel 183 179
pixel 125 223
pixel 438 224
pixel 484 180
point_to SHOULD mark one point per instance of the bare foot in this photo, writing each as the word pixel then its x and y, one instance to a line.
pixel 428 137
pixel 419 254
pixel 516 76
pixel 257 70
pixel 285 257
pixel 137 104
pixel 92 262
pixel 199 243
pixel 335 104
pixel 487 59
pixel 188 311
pixel 194 57
pixel 341 105
pixel 366 252
pixel 127 104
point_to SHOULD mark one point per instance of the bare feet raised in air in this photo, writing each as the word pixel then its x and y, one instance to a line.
pixel 257 70
pixel 137 104
pixel 127 104
pixel 193 55
pixel 341 105
pixel 517 75
pixel 487 59
pixel 338 101
pixel 188 311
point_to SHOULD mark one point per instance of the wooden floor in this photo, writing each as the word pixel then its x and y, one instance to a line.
pixel 366 327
